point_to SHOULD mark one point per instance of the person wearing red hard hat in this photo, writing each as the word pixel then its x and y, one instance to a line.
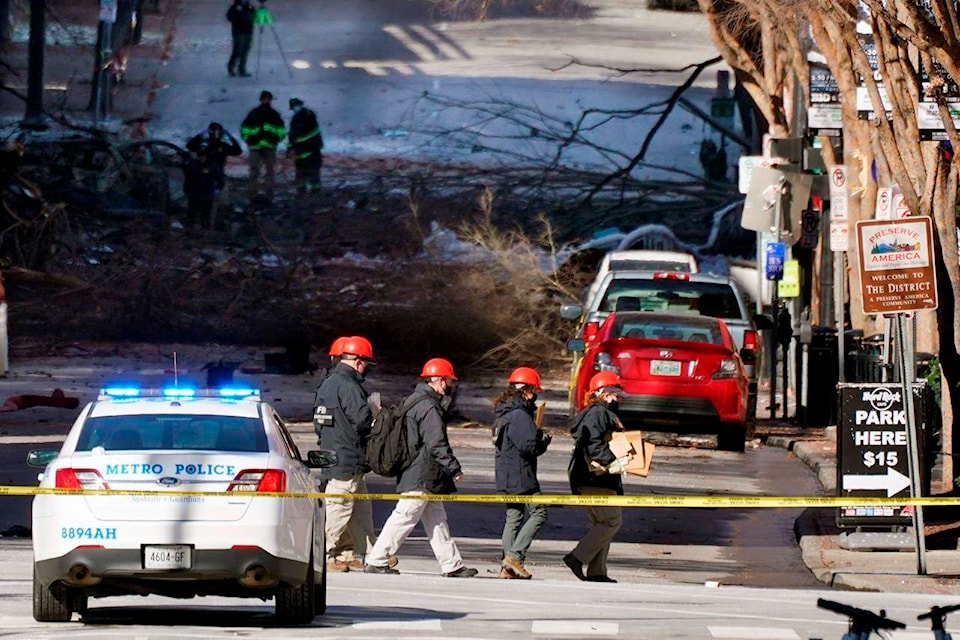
pixel 434 470
pixel 595 470
pixel 518 441
pixel 342 419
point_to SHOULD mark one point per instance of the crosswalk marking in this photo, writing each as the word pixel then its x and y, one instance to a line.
pixel 575 628
pixel 400 625
pixel 747 633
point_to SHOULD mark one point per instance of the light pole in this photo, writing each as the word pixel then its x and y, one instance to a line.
pixel 33 116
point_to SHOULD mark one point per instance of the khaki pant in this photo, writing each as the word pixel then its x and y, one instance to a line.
pixel 262 161
pixel 349 525
pixel 401 522
pixel 604 524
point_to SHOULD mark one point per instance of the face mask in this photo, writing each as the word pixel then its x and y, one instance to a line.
pixel 532 401
pixel 613 405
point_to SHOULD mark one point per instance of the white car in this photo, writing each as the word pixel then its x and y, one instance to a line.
pixel 641 260
pixel 177 444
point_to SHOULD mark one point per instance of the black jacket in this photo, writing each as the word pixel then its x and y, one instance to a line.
pixel 240 14
pixel 200 179
pixel 343 394
pixel 217 149
pixel 518 444
pixel 306 140
pixel 262 128
pixel 591 432
pixel 435 466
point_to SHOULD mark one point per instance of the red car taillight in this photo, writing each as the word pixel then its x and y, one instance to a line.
pixel 79 479
pixel 728 369
pixel 602 361
pixel 260 481
pixel 751 343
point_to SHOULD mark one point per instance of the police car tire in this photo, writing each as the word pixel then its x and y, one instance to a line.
pixel 295 605
pixel 320 593
pixel 49 606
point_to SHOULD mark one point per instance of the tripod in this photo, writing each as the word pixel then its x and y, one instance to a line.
pixel 263 18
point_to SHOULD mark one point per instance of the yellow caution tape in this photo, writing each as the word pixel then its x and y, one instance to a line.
pixel 718 501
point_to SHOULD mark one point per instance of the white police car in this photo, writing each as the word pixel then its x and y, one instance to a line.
pixel 178 444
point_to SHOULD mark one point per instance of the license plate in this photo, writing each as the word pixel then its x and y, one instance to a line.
pixel 665 367
pixel 168 556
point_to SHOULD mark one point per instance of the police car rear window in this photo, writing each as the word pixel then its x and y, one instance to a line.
pixel 173 432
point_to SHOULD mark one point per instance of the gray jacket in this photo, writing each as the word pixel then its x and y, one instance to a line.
pixel 435 466
pixel 342 393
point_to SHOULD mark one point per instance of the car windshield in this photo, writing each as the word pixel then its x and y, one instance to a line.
pixel 159 431
pixel 649 265
pixel 712 299
pixel 638 327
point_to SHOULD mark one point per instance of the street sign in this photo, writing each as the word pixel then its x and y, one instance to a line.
pixel 759 212
pixel 775 254
pixel 810 229
pixel 896 265
pixel 872 450
pixel 789 286
pixel 884 208
pixel 900 208
pixel 839 193
pixel 839 236
pixel 747 164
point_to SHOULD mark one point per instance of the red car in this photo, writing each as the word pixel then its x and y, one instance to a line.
pixel 679 369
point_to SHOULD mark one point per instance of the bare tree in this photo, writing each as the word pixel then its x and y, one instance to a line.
pixel 913 40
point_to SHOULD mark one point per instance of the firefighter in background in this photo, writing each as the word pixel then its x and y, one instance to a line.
pixel 219 144
pixel 306 145
pixel 262 130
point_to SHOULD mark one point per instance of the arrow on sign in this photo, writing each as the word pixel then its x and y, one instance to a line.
pixel 894 482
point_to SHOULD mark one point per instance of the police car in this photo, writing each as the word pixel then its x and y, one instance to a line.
pixel 175 445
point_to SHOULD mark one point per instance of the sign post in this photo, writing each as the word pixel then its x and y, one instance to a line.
pixel 897 277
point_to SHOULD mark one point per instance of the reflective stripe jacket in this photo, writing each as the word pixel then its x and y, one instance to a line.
pixel 262 128
pixel 306 140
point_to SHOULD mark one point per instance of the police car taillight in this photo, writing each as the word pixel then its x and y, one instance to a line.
pixel 79 479
pixel 260 481
pixel 670 275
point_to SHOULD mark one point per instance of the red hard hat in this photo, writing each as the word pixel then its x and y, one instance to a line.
pixel 336 349
pixel 525 375
pixel 359 347
pixel 603 379
pixel 437 368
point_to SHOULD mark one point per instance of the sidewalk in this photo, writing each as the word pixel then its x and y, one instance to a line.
pixel 840 568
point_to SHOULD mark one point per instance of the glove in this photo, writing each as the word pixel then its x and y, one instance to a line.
pixel 615 467
pixel 373 401
pixel 543 441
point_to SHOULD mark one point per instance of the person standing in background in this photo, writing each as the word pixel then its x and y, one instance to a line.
pixel 240 14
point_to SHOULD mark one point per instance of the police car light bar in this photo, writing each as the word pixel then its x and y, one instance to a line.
pixel 132 393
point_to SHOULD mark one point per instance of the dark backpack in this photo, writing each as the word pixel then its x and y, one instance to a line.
pixel 388 449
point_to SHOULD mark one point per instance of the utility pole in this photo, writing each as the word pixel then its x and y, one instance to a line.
pixel 33 117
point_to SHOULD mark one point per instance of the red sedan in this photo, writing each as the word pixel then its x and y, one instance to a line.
pixel 677 369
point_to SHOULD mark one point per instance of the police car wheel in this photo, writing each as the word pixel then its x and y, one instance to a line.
pixel 50 605
pixel 295 605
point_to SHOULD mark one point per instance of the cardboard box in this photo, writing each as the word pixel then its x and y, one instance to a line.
pixel 639 452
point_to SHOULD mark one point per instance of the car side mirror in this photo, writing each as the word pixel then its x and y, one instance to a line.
pixel 321 458
pixel 571 311
pixel 41 457
pixel 576 345
pixel 762 321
